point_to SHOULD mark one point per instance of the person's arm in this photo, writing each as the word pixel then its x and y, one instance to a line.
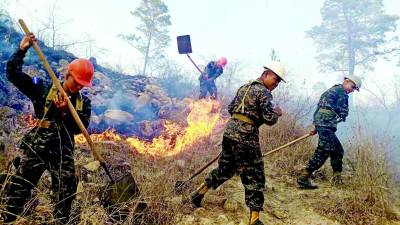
pixel 21 80
pixel 218 73
pixel 269 114
pixel 342 105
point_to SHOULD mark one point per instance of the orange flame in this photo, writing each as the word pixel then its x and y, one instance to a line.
pixel 108 135
pixel 202 119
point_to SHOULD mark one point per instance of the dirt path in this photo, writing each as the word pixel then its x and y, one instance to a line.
pixel 284 204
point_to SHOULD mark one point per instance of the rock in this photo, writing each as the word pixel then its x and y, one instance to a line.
pixel 180 163
pixel 92 166
pixel 63 62
pixel 79 190
pixel 153 88
pixel 116 117
pixel 142 100
pixel 206 221
pixel 103 79
pixel 269 187
pixel 199 212
pixel 222 219
pixel 243 223
pixel 187 220
pixel 231 205
pixel 176 200
pixel 146 129
pixel 95 120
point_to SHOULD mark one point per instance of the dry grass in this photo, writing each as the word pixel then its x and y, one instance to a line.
pixel 369 181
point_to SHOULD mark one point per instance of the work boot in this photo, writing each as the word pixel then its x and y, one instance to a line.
pixel 257 222
pixel 255 218
pixel 198 195
pixel 337 179
pixel 304 181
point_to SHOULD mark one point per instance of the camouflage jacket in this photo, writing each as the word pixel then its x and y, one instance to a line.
pixel 212 70
pixel 257 107
pixel 333 107
pixel 65 125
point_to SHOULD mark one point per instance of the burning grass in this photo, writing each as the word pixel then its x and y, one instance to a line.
pixel 202 119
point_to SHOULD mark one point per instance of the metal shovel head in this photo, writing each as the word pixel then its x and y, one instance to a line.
pixel 184 45
pixel 122 191
pixel 118 195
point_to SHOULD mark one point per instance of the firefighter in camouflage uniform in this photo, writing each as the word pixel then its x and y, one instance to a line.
pixel 332 108
pixel 241 153
pixel 50 144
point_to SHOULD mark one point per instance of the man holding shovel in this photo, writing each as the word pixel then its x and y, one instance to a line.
pixel 241 151
pixel 332 108
pixel 212 71
pixel 50 144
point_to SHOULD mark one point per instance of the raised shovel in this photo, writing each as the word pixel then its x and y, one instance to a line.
pixel 185 47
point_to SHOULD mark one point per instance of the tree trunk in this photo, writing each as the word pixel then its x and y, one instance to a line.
pixel 350 48
pixel 146 56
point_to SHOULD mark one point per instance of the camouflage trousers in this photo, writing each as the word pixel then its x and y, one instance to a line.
pixel 208 86
pixel 328 146
pixel 43 154
pixel 247 161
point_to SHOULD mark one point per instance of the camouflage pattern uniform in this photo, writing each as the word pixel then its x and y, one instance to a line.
pixel 212 71
pixel 241 151
pixel 50 148
pixel 332 109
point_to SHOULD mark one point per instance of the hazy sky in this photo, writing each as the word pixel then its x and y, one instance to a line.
pixel 237 29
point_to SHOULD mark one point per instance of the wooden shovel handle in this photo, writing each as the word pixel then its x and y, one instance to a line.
pixel 288 144
pixel 195 65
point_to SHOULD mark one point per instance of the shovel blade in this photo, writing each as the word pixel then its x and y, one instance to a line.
pixel 118 195
pixel 184 44
pixel 123 190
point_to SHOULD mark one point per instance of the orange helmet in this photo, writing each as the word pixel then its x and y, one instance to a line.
pixel 82 70
pixel 222 61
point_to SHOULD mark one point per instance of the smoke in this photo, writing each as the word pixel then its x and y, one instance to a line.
pixel 122 102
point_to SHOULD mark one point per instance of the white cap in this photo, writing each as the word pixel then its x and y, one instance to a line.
pixel 356 80
pixel 278 68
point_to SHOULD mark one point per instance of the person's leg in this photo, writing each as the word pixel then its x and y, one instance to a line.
pixel 21 184
pixel 325 146
pixel 337 161
pixel 319 157
pixel 212 88
pixel 203 89
pixel 253 178
pixel 224 171
pixel 64 184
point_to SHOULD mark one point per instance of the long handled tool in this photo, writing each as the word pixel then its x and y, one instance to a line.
pixel 180 185
pixel 287 144
pixel 56 82
pixel 185 47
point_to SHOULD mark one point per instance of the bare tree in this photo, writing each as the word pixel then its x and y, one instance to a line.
pixel 153 30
